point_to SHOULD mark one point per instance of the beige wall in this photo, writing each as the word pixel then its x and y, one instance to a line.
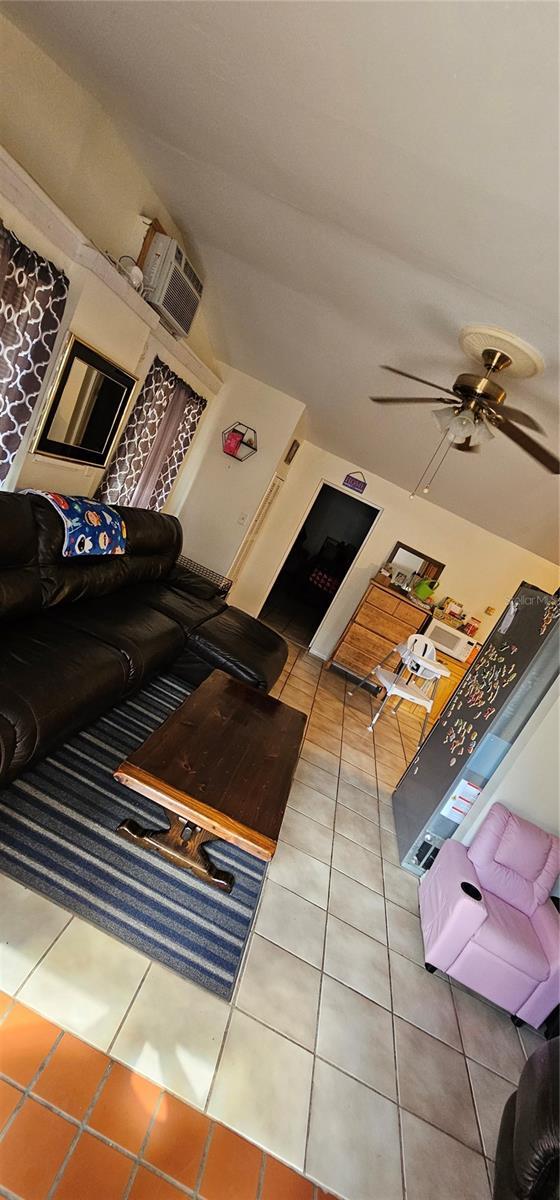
pixel 64 138
pixel 218 497
pixel 481 569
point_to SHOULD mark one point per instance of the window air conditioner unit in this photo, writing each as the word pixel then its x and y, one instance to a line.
pixel 171 285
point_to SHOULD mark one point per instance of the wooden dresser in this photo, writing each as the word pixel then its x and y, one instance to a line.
pixel 382 619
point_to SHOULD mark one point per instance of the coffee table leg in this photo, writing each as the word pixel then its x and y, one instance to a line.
pixel 183 845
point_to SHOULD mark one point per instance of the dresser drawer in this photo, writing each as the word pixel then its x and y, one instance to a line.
pixel 370 617
pixel 388 627
pixel 360 662
pixel 381 599
pixel 412 617
pixel 352 659
pixel 375 648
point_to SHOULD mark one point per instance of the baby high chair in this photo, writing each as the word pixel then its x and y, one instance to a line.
pixel 418 660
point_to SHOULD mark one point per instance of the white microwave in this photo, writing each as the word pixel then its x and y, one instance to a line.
pixel 449 640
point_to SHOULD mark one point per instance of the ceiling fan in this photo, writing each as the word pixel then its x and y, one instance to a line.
pixel 478 404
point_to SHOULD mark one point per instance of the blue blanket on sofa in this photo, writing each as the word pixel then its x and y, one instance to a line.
pixel 90 528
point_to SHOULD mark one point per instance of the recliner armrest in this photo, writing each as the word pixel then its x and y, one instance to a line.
pixel 450 915
pixel 538 1006
pixel 546 923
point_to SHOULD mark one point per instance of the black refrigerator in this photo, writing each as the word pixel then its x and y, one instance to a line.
pixel 507 680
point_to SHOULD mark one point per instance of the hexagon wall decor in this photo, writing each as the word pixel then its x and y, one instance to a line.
pixel 239 441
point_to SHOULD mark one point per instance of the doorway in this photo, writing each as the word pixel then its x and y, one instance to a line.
pixel 323 552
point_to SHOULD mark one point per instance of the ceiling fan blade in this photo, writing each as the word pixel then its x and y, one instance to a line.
pixel 466 445
pixel 540 453
pixel 418 379
pixel 517 415
pixel 413 400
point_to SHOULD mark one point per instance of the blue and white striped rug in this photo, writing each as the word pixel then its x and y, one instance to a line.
pixel 57 836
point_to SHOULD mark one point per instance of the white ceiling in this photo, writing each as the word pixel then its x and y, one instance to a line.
pixel 360 181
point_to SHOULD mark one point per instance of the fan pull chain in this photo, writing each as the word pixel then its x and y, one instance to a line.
pixel 428 465
pixel 427 486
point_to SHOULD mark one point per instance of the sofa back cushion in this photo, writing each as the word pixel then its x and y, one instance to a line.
pixel 514 859
pixel 153 544
pixel 20 584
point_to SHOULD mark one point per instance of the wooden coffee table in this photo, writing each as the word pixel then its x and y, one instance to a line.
pixel 221 766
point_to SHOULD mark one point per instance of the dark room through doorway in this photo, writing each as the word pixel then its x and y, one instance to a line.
pixel 322 554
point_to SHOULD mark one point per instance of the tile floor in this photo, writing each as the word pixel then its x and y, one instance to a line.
pixel 76 1125
pixel 338 1056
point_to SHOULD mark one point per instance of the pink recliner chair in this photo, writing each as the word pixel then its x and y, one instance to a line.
pixel 487 919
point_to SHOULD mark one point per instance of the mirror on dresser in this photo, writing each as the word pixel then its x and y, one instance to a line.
pixel 406 564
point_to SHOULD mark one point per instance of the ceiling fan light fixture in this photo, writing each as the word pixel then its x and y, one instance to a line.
pixel 444 417
pixel 483 432
pixel 462 425
pixel 456 425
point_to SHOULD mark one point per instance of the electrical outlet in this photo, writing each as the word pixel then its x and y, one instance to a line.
pixel 242 518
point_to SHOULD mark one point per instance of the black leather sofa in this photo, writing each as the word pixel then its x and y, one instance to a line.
pixel 528 1151
pixel 78 634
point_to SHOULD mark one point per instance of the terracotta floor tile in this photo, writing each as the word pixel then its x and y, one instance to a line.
pixel 9 1097
pixel 150 1187
pixel 5 1002
pixel 177 1140
pixel 232 1168
pixel 71 1077
pixel 95 1172
pixel 25 1040
pixel 280 1183
pixel 123 1110
pixel 33 1150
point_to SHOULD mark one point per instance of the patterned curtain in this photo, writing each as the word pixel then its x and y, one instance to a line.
pixel 157 436
pixel 192 410
pixel 33 295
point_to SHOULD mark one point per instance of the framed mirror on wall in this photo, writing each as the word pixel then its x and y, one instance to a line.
pixel 406 565
pixel 405 558
pixel 86 407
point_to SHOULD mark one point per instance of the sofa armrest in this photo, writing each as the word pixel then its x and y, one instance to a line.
pixel 193 584
pixel 452 906
pixel 527 1150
